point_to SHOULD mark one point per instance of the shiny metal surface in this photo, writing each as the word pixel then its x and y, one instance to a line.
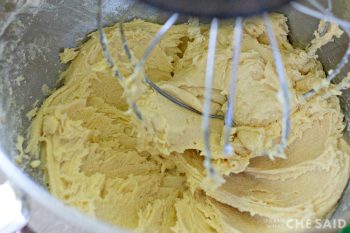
pixel 34 32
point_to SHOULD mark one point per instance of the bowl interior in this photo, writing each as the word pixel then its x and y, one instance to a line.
pixel 35 32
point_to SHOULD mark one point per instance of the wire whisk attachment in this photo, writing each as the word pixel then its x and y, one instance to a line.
pixel 283 96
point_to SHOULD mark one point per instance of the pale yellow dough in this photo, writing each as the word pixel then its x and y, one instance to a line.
pixel 148 175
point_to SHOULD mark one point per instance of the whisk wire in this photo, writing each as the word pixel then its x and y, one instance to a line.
pixel 318 6
pixel 229 117
pixel 108 56
pixel 124 42
pixel 207 97
pixel 284 95
pixel 155 40
pixel 104 42
pixel 140 65
pixel 330 5
pixel 176 100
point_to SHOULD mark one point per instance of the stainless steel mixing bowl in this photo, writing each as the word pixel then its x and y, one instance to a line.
pixel 32 34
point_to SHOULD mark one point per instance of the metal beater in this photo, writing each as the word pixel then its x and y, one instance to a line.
pixel 237 10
